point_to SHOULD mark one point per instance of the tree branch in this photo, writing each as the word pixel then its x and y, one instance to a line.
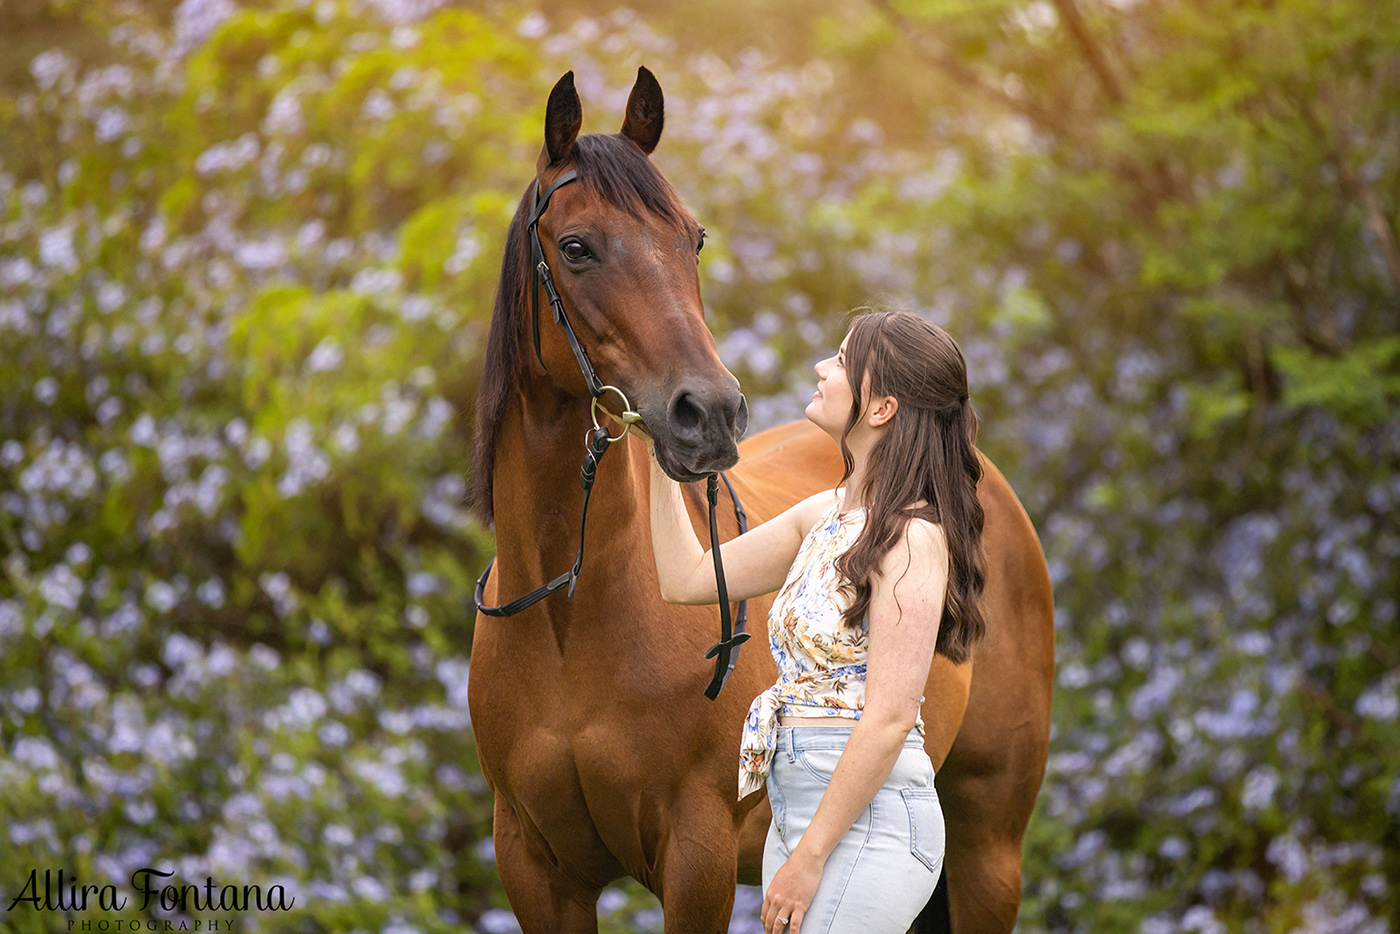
pixel 1069 15
pixel 1299 284
pixel 933 52
pixel 1374 216
pixel 1358 188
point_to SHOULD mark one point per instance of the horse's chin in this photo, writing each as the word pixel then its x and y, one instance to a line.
pixel 694 469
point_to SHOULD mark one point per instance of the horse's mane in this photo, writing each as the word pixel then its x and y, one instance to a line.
pixel 614 168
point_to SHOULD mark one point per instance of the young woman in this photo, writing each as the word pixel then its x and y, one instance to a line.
pixel 875 578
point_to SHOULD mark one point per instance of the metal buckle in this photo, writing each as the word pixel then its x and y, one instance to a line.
pixel 627 418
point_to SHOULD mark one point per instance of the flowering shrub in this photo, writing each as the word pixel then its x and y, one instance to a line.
pixel 247 255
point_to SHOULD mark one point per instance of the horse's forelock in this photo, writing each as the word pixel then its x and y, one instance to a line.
pixel 617 170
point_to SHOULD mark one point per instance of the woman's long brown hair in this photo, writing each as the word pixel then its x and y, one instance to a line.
pixel 927 452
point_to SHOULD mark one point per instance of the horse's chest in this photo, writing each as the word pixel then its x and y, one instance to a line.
pixel 561 760
pixel 528 714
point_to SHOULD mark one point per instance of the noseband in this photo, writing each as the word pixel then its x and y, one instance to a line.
pixel 598 440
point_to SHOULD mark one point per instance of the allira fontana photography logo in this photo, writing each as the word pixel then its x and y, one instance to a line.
pixel 56 890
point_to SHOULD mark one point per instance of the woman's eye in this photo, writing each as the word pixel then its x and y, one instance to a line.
pixel 575 251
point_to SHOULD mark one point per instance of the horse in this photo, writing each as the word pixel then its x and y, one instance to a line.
pixel 603 755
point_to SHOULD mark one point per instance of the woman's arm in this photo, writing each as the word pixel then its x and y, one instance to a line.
pixel 898 657
pixel 755 563
pixel 673 542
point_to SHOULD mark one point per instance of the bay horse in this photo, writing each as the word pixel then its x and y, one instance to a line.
pixel 605 758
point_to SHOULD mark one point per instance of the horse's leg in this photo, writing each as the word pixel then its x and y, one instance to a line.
pixel 544 899
pixel 982 859
pixel 698 872
pixel 984 892
pixel 753 836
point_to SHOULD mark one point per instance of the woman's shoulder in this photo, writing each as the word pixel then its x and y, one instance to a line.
pixel 927 543
pixel 920 550
pixel 925 530
pixel 817 507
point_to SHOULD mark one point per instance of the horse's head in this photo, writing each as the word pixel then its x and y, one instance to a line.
pixel 623 251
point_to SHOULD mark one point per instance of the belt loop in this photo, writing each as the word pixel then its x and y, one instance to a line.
pixel 787 742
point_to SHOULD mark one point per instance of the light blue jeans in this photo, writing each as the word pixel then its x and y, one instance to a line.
pixel 884 870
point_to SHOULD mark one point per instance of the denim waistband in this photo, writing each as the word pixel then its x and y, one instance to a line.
pixel 792 739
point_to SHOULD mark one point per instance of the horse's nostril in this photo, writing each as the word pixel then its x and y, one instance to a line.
pixel 686 417
pixel 741 418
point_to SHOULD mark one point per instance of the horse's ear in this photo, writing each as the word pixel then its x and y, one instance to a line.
pixel 645 112
pixel 563 118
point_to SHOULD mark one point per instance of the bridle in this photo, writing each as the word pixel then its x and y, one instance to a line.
pixel 597 441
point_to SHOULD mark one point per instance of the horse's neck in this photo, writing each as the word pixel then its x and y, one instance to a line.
pixel 538 496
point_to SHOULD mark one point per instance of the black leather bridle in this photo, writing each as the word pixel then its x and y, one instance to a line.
pixel 726 650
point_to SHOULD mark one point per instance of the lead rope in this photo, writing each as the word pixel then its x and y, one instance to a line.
pixel 727 648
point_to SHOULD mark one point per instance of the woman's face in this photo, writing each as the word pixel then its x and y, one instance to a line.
pixel 831 403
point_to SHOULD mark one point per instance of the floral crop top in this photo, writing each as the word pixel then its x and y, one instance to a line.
pixel 821 662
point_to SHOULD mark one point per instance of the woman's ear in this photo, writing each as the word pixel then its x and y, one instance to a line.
pixel 883 411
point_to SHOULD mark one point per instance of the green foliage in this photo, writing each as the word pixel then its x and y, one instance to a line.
pixel 247 260
pixel 1362 386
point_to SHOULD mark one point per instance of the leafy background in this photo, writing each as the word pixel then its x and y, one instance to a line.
pixel 247 254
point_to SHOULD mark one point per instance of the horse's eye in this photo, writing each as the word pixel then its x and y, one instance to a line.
pixel 701 245
pixel 575 251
